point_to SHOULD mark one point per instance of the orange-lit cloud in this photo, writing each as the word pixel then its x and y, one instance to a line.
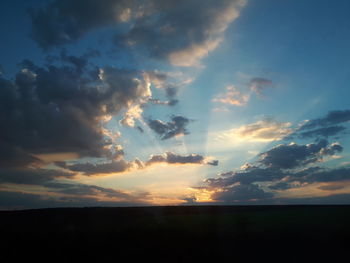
pixel 191 56
pixel 262 131
pixel 53 157
pixel 232 96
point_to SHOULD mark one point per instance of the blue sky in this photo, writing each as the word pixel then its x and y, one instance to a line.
pixel 155 103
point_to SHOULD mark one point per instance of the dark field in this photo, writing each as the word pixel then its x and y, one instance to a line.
pixel 178 234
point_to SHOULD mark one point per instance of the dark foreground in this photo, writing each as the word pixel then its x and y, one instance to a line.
pixel 178 234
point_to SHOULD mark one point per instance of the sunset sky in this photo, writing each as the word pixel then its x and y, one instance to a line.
pixel 164 102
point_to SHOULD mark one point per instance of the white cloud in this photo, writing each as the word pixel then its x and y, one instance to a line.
pixel 232 96
pixel 262 131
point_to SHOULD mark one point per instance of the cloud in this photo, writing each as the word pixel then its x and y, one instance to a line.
pixel 332 118
pixel 120 165
pixel 169 82
pixel 242 186
pixel 281 168
pixel 166 130
pixel 116 164
pixel 190 200
pixel 258 85
pixel 264 130
pixel 166 81
pixel 232 96
pixel 239 193
pixel 134 112
pixel 322 132
pixel 324 127
pixel 31 176
pixel 50 178
pixel 331 187
pixel 280 186
pixel 295 179
pixel 185 32
pixel 14 156
pixel 66 194
pixel 324 175
pixel 157 78
pixel 213 162
pixel 224 187
pixel 172 158
pixel 10 200
pixel 182 32
pixel 63 21
pixel 191 55
pixel 86 190
pixel 160 80
pixel 57 109
pixel 288 156
pixel 334 199
pixel 166 102
pixel 249 176
pixel 88 168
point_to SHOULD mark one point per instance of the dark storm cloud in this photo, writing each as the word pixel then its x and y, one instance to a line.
pixel 48 178
pixel 290 156
pixel 325 175
pixel 275 164
pixel 186 27
pixel 66 194
pixel 56 109
pixel 120 165
pixel 117 166
pixel 10 200
pixel 31 176
pixel 280 168
pixel 166 130
pixel 239 193
pixel 162 27
pixel 18 200
pixel 12 156
pixel 255 174
pixel 332 118
pixel 333 124
pixel 173 158
pixel 281 180
pixel 332 149
pixel 240 185
pixel 322 132
pixel 64 21
pixel 334 199
pixel 84 189
pixel 280 186
pixel 296 179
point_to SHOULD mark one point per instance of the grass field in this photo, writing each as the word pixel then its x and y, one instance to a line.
pixel 178 234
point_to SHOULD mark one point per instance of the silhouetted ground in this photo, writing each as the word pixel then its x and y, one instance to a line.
pixel 178 234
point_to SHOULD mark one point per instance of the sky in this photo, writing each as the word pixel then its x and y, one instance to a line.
pixel 163 102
